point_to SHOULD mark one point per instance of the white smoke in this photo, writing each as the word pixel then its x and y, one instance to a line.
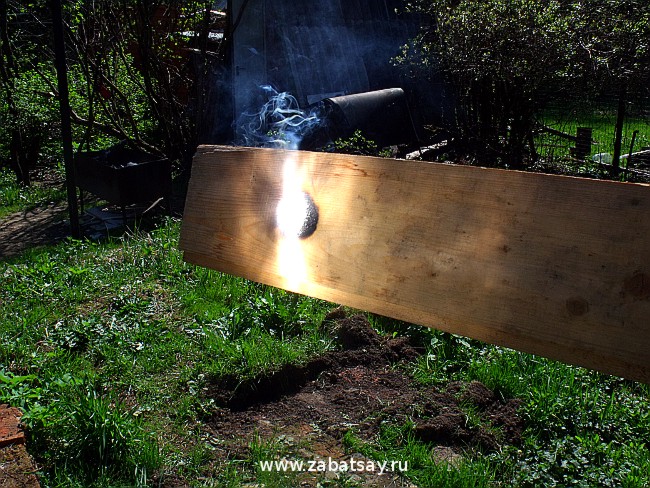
pixel 280 123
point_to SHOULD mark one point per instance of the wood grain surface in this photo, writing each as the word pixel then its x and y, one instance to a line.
pixel 550 265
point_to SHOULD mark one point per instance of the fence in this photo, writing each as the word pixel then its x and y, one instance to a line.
pixel 579 138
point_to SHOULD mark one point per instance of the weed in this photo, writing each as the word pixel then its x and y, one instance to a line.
pixel 100 436
pixel 257 352
pixel 581 424
pixel 82 434
pixel 446 358
pixel 269 451
pixel 231 476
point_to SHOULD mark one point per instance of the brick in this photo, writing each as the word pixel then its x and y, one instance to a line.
pixel 11 431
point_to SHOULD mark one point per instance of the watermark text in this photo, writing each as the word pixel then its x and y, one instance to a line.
pixel 352 465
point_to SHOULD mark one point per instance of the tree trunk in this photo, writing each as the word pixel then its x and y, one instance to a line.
pixel 8 75
pixel 17 157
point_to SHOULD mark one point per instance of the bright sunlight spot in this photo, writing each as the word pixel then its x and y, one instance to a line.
pixel 291 213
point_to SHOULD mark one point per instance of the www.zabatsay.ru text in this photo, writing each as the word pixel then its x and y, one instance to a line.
pixel 328 464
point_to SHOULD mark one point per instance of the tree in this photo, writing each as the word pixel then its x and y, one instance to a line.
pixel 27 110
pixel 135 69
pixel 135 58
pixel 507 59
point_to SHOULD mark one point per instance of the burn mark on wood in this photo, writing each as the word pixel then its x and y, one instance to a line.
pixel 311 218
pixel 638 286
pixel 546 296
pixel 577 306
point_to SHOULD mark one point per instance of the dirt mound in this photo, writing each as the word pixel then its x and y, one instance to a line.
pixel 361 346
pixel 358 387
pixel 469 414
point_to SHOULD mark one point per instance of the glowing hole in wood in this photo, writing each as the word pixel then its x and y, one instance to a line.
pixel 297 215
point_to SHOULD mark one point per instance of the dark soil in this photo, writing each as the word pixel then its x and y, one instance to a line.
pixel 17 468
pixel 358 387
pixel 32 228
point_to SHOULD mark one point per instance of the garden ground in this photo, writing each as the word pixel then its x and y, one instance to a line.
pixel 134 368
pixel 319 410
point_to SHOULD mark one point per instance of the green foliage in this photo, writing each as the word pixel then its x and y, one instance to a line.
pixel 35 110
pixel 124 114
pixel 357 143
pixel 28 109
pixel 508 60
pixel 100 436
pixel 81 432
pixel 518 41
pixel 583 428
pixel 20 391
pixel 447 357
pixel 610 42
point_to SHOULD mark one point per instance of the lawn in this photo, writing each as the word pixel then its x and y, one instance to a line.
pixel 602 121
pixel 13 198
pixel 134 368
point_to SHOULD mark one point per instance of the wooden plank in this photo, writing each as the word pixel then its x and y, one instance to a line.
pixel 550 265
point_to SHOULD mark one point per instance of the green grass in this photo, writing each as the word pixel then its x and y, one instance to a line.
pixel 116 320
pixel 14 197
pixel 108 347
pixel 602 121
pixel 584 428
pixel 397 444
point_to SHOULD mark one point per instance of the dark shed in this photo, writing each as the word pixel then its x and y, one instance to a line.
pixel 311 49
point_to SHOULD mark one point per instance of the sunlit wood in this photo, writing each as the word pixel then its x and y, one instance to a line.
pixel 550 265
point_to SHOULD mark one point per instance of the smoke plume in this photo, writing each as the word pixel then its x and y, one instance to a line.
pixel 280 123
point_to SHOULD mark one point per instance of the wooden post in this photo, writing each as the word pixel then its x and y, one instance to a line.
pixel 583 142
pixel 618 131
pixel 517 259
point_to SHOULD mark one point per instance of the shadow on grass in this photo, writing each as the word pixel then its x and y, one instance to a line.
pixel 32 228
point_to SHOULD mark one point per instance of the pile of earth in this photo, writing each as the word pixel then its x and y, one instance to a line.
pixel 311 406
